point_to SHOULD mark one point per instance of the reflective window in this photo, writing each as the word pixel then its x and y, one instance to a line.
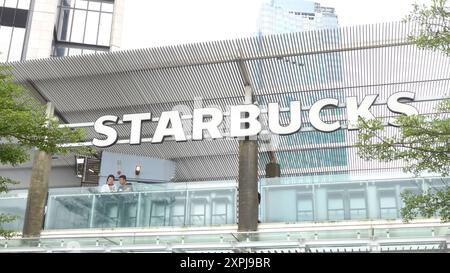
pixel 81 4
pixel 107 7
pixel 305 207
pixel 94 5
pixel 357 205
pixel 66 50
pixel 79 20
pixel 65 24
pixel 23 4
pixel 5 39
pixel 68 3
pixel 84 22
pixel 335 206
pixel 13 17
pixel 388 204
pixel 13 21
pixel 74 51
pixel 15 51
pixel 92 21
pixel 104 31
pixel 11 3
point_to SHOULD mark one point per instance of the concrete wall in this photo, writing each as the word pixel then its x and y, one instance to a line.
pixel 117 25
pixel 59 177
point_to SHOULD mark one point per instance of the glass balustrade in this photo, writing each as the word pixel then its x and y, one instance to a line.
pixel 286 200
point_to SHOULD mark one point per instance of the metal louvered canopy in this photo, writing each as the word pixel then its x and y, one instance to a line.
pixel 306 66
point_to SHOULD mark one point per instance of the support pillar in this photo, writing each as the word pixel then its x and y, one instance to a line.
pixel 248 185
pixel 248 178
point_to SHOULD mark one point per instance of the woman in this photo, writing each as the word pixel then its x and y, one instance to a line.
pixel 109 186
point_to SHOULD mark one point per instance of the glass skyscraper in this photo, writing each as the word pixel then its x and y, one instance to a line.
pixel 284 16
pixel 288 16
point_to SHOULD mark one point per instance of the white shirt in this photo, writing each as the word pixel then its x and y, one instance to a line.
pixel 107 188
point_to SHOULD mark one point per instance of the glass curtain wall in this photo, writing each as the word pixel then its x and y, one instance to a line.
pixel 83 27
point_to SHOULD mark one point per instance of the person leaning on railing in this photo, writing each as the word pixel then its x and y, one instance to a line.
pixel 109 186
pixel 124 186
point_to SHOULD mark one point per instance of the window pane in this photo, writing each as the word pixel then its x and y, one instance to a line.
pixel 81 4
pixel 304 208
pixel 107 7
pixel 5 38
pixel 87 51
pixel 24 4
pixel 21 18
pixel 335 203
pixel 65 22
pixel 105 29
pixel 91 28
pixel 78 26
pixel 305 204
pixel 74 51
pixel 387 202
pixel 357 206
pixel 68 3
pixel 61 51
pixel 11 3
pixel 388 206
pixel 357 203
pixel 16 44
pixel 7 18
pixel 94 5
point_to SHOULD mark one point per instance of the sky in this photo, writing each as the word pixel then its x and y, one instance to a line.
pixel 151 23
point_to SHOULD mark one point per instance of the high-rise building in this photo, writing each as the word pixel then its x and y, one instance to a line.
pixel 290 16
pixel 31 29
pixel 284 16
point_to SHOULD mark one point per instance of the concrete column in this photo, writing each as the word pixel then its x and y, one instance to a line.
pixel 117 25
pixel 39 37
pixel 248 178
pixel 248 185
pixel 37 193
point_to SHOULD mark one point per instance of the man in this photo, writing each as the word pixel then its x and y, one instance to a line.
pixel 124 186
pixel 109 186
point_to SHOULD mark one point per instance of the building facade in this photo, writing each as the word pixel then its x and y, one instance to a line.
pixel 32 29
pixel 186 193
pixel 286 16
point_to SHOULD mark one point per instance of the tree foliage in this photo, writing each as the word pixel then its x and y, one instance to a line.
pixel 23 126
pixel 426 205
pixel 433 26
pixel 423 143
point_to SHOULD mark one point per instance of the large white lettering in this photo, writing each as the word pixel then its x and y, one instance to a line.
pixel 244 120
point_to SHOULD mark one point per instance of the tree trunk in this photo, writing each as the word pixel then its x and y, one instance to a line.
pixel 37 193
